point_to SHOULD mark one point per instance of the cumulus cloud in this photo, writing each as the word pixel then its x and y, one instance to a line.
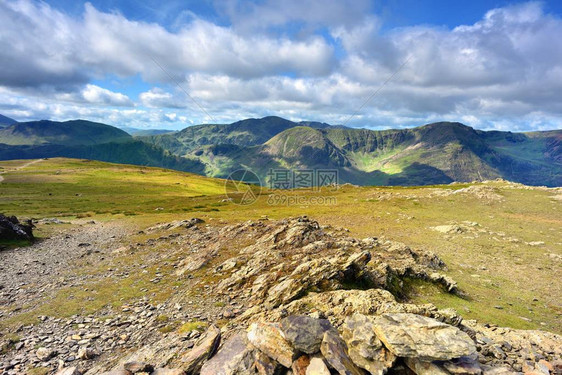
pixel 505 68
pixel 92 94
pixel 158 98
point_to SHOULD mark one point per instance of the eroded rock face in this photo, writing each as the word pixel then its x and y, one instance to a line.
pixel 364 348
pixel 294 257
pixel 414 336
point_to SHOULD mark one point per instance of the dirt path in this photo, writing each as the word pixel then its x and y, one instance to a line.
pixel 21 167
pixel 28 274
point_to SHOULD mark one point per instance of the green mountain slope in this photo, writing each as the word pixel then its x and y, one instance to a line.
pixel 6 121
pixel 432 154
pixel 249 132
pixel 435 153
pixel 86 140
pixel 131 152
pixel 69 133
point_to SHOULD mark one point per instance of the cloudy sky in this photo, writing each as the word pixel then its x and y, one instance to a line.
pixel 488 64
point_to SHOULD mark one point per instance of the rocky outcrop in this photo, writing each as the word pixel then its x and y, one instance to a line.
pixel 12 230
pixel 294 298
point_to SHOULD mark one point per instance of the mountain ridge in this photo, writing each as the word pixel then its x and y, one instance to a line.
pixel 437 153
pixel 70 133
pixel 6 121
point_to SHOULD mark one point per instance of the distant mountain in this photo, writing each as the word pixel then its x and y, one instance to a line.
pixel 132 152
pixel 86 140
pixel 136 132
pixel 249 132
pixel 6 121
pixel 69 133
pixel 437 153
pixel 432 154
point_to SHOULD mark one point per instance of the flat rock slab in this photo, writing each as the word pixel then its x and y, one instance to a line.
pixel 415 336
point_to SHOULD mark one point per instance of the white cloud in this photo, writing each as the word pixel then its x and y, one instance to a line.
pixel 158 98
pixel 93 94
pixel 506 68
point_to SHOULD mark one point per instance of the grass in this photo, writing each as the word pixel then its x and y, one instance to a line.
pixel 489 268
pixel 191 326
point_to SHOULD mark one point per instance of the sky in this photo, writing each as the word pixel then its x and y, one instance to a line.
pixel 373 64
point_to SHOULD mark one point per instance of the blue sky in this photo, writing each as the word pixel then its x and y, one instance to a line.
pixel 488 64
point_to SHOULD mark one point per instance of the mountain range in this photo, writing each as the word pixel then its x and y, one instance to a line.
pixel 437 153
pixel 6 121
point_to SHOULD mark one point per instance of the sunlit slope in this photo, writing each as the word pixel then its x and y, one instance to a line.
pixel 68 187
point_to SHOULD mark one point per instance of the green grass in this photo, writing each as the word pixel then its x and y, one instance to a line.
pixel 191 326
pixel 66 188
pixel 491 270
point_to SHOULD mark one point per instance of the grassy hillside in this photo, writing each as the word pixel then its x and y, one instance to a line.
pixel 69 187
pixel 128 152
pixel 68 133
pixel 503 247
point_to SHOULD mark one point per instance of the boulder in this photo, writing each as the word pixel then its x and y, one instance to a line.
pixel 265 365
pixel 12 229
pixel 300 365
pixel 236 357
pixel 415 336
pixel 204 349
pixel 333 348
pixel 364 348
pixel 44 354
pixel 305 333
pixel 136 367
pixel 317 366
pixel 269 339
